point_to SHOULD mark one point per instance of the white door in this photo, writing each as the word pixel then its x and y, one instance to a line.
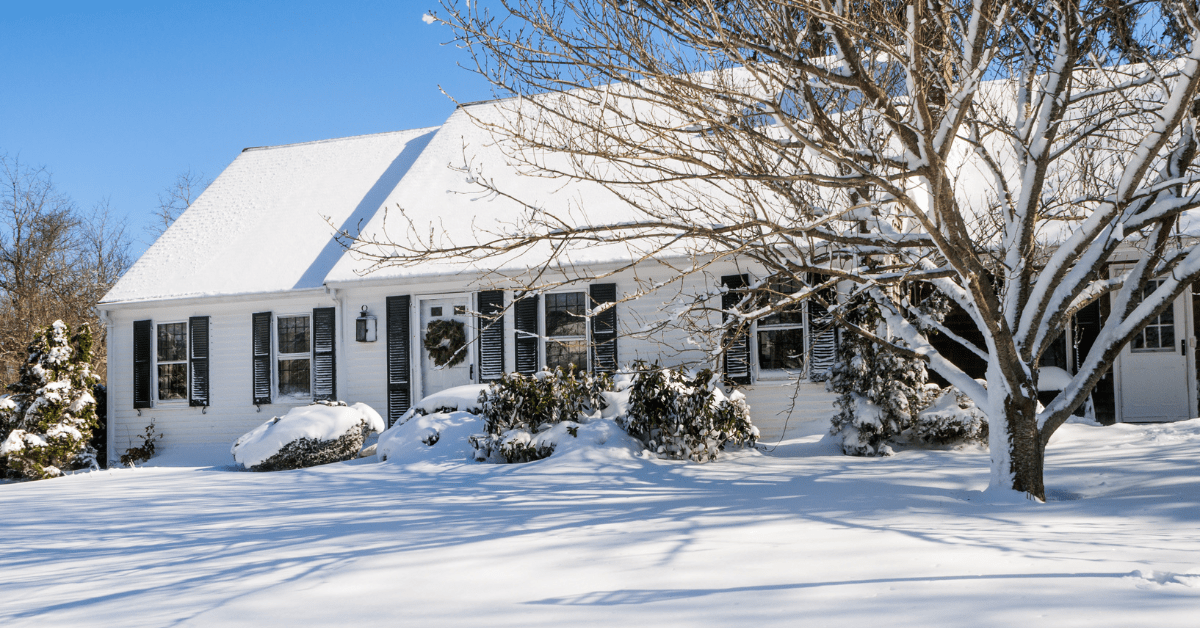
pixel 460 368
pixel 1153 370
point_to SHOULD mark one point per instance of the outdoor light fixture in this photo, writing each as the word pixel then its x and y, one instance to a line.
pixel 364 326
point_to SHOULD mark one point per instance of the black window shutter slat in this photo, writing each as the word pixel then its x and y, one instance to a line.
pixel 527 334
pixel 822 332
pixel 399 387
pixel 491 335
pixel 324 366
pixel 198 362
pixel 737 350
pixel 604 328
pixel 143 340
pixel 261 347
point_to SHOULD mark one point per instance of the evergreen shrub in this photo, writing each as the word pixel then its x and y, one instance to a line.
pixel 516 408
pixel 952 419
pixel 685 416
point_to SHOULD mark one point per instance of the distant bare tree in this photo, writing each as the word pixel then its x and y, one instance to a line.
pixel 178 196
pixel 56 262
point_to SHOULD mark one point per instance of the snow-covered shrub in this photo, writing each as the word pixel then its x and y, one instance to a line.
pixel 517 408
pixel 684 415
pixel 307 436
pixel 879 391
pixel 952 418
pixel 48 419
pixel 141 453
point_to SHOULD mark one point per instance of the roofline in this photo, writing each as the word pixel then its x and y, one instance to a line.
pixel 339 139
pixel 184 299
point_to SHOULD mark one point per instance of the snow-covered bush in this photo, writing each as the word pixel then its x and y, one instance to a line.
pixel 517 408
pixel 952 418
pixel 684 415
pixel 307 436
pixel 48 419
pixel 879 391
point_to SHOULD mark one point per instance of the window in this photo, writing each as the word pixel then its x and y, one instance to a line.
pixel 781 335
pixel 172 361
pixel 294 356
pixel 1159 334
pixel 566 330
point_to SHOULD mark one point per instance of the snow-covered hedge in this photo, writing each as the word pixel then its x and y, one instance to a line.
pixel 47 421
pixel 952 418
pixel 518 410
pixel 320 433
pixel 684 415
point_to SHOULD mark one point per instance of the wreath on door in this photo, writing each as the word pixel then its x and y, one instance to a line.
pixel 445 340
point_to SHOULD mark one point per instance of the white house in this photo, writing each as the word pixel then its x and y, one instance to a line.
pixel 248 305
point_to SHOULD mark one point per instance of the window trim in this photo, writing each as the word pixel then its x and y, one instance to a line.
pixel 277 355
pixel 772 375
pixel 586 338
pixel 155 400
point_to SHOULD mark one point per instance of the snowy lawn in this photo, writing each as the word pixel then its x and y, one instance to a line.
pixel 798 536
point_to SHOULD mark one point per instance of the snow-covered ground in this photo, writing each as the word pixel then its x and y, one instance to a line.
pixel 797 536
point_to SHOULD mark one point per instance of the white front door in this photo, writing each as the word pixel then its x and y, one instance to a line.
pixel 434 377
pixel 1153 370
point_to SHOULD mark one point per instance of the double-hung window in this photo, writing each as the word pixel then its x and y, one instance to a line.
pixel 172 360
pixel 1159 334
pixel 780 336
pixel 294 356
pixel 566 330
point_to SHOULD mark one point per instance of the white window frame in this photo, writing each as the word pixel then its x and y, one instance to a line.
pixel 277 355
pixel 1156 323
pixel 186 362
pixel 545 338
pixel 767 374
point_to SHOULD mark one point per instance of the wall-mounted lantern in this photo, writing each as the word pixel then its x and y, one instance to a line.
pixel 364 326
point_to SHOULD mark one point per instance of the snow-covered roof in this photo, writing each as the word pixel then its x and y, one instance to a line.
pixel 264 224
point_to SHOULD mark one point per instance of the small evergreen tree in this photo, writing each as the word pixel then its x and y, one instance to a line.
pixel 879 391
pixel 49 417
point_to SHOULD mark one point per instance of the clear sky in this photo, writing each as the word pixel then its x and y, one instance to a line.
pixel 117 98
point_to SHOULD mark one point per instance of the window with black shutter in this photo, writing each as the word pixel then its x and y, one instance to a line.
pixel 737 340
pixel 261 352
pixel 526 324
pixel 143 340
pixel 604 328
pixel 198 360
pixel 491 335
pixel 399 384
pixel 822 330
pixel 324 365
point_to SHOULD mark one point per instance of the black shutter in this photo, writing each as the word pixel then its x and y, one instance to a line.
pixel 399 386
pixel 604 328
pixel 527 334
pixel 324 363
pixel 737 342
pixel 261 348
pixel 198 363
pixel 822 331
pixel 143 340
pixel 491 335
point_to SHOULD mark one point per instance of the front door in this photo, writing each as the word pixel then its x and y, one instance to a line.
pixel 1153 370
pixel 446 358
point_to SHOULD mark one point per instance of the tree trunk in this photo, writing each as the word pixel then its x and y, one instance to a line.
pixel 1022 443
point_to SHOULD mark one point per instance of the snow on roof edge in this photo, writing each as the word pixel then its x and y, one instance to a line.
pixel 343 138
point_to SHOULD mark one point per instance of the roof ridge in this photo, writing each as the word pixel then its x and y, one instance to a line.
pixel 339 139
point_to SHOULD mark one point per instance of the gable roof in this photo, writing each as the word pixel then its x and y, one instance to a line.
pixel 263 225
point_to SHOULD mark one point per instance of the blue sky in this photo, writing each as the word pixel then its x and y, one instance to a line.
pixel 117 98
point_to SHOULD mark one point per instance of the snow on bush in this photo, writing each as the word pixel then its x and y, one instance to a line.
pixel 685 416
pixel 952 418
pixel 320 433
pixel 518 409
pixel 48 419
pixel 879 391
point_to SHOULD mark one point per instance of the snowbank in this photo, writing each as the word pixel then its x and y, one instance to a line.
pixel 317 427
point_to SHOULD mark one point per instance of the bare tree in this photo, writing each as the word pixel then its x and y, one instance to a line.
pixel 187 187
pixel 1002 153
pixel 56 262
